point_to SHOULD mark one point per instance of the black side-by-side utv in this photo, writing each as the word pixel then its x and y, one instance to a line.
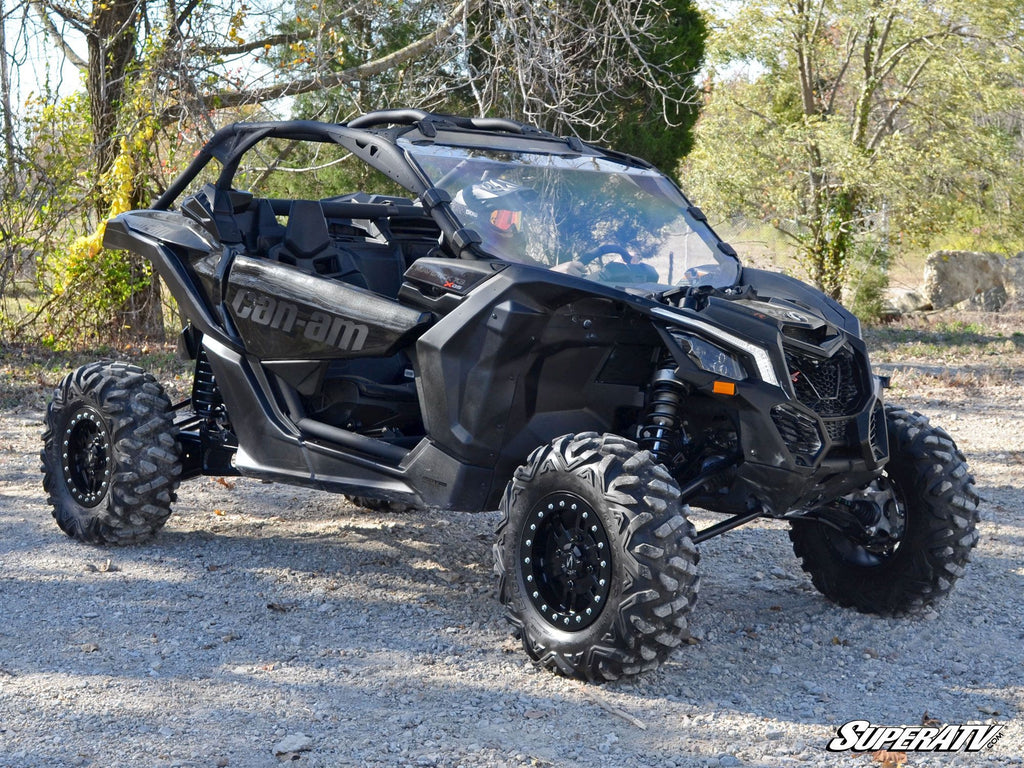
pixel 541 325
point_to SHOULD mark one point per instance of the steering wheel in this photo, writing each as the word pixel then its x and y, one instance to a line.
pixel 626 270
pixel 608 249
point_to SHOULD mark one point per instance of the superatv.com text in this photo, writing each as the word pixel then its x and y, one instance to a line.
pixel 862 736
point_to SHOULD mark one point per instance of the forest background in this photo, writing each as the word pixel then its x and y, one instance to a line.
pixel 837 139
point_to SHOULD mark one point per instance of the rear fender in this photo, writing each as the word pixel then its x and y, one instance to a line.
pixel 162 238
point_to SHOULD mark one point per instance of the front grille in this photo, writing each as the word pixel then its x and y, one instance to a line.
pixel 799 432
pixel 837 429
pixel 831 387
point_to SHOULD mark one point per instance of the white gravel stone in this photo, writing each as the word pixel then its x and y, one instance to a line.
pixel 293 742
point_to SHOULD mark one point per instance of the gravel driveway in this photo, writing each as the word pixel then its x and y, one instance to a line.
pixel 268 624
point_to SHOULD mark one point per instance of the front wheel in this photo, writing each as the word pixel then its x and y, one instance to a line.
pixel 931 510
pixel 595 558
pixel 110 460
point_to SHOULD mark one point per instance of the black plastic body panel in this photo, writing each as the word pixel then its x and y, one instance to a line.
pixel 780 286
pixel 518 363
pixel 284 313
pixel 272 447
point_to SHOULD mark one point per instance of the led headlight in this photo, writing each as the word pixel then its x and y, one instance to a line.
pixel 709 357
pixel 757 355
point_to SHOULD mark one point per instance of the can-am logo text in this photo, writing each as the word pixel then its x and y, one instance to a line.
pixel 862 736
pixel 287 317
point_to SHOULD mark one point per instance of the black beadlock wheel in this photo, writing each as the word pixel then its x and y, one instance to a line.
pixel 110 460
pixel 595 558
pixel 566 558
pixel 937 516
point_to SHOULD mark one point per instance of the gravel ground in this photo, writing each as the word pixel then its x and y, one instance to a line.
pixel 267 619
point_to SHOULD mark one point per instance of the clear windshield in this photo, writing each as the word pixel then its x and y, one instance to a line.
pixel 586 216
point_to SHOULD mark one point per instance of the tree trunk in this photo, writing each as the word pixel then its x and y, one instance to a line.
pixel 112 49
pixel 111 42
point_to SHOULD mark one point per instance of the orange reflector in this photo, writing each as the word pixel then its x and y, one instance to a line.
pixel 723 388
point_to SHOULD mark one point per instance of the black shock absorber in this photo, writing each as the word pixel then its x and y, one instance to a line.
pixel 661 431
pixel 206 398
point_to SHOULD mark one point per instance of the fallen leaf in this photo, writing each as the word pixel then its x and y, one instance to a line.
pixel 219 512
pixel 890 759
pixel 221 481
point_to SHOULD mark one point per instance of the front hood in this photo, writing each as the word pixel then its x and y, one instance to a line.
pixel 805 299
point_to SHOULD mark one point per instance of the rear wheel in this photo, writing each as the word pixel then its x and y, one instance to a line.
pixel 110 459
pixel 930 511
pixel 596 563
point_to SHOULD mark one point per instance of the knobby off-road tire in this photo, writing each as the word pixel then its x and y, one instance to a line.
pixel 111 463
pixel 595 558
pixel 381 505
pixel 931 481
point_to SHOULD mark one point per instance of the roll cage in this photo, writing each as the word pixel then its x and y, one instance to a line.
pixel 373 139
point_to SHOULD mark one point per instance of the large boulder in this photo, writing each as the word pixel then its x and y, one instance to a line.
pixel 903 302
pixel 954 276
pixel 1013 281
pixel 991 300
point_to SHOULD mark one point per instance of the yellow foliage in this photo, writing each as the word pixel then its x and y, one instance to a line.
pixel 119 185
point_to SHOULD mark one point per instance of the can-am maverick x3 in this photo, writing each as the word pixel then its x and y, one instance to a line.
pixel 543 326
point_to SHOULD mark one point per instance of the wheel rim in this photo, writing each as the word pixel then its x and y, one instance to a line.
pixel 87 455
pixel 881 549
pixel 566 561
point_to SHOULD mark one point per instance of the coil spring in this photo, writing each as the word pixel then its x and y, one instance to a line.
pixel 661 431
pixel 206 398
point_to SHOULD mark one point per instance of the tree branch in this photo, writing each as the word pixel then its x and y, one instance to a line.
pixel 54 34
pixel 883 39
pixel 226 99
pixel 851 43
pixel 284 38
pixel 175 32
pixel 886 124
pixel 894 58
